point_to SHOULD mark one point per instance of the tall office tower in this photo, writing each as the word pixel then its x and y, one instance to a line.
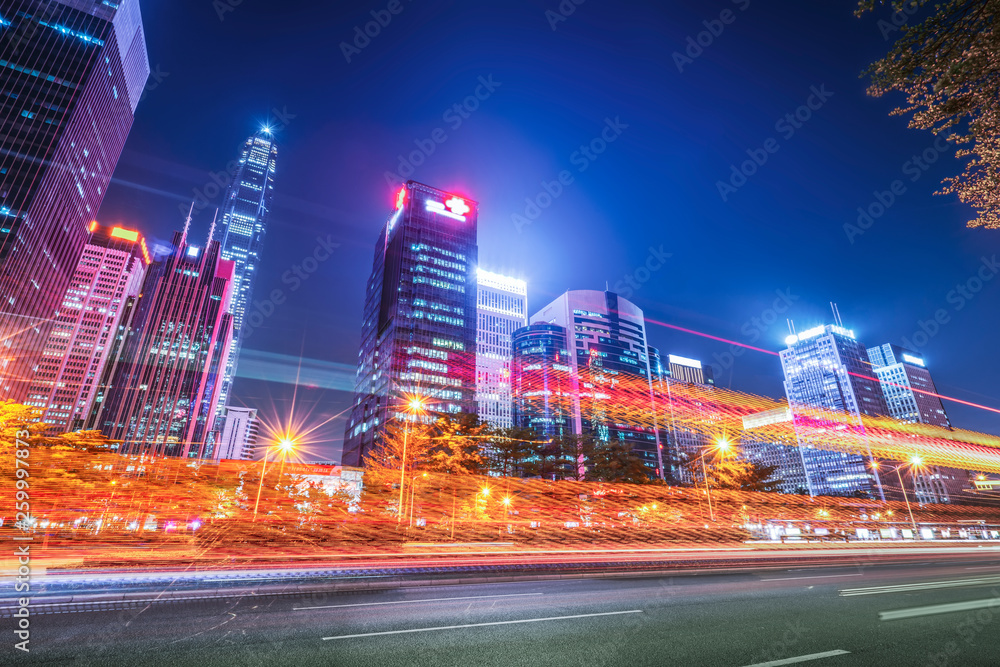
pixel 109 274
pixel 678 389
pixel 501 309
pixel 826 368
pixel 71 75
pixel 543 390
pixel 907 385
pixel 912 397
pixel 776 447
pixel 241 235
pixel 609 364
pixel 162 398
pixel 239 435
pixel 418 335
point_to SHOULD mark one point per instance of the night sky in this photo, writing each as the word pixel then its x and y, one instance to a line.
pixel 778 237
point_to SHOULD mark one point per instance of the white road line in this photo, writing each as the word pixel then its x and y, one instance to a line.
pixel 983 567
pixel 800 658
pixel 822 576
pixel 480 625
pixel 925 586
pixel 374 604
pixel 931 610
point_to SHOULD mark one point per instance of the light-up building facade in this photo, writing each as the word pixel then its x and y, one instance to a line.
pixel 71 76
pixel 501 309
pixel 827 368
pixel 685 425
pixel 109 274
pixel 684 369
pixel 543 388
pixel 911 396
pixel 162 398
pixel 241 236
pixel 608 369
pixel 418 334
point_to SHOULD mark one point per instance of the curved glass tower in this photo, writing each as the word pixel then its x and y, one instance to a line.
pixel 241 235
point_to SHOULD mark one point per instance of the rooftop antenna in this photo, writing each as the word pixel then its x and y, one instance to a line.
pixel 836 315
pixel 211 230
pixel 187 224
pixel 791 326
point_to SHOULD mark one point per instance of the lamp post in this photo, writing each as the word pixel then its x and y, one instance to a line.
pixel 413 493
pixel 415 405
pixel 915 462
pixel 722 446
pixel 286 446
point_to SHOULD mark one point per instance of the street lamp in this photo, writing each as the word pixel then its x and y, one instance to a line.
pixel 286 446
pixel 722 445
pixel 915 462
pixel 413 493
pixel 415 405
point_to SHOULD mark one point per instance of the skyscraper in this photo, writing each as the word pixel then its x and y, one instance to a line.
pixel 418 334
pixel 162 398
pixel 609 372
pixel 683 369
pixel 241 235
pixel 827 368
pixel 681 389
pixel 109 273
pixel 909 391
pixel 72 73
pixel 502 308
pixel 239 435
pixel 543 390
pixel 912 397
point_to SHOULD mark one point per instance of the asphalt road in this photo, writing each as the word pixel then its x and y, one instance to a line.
pixel 934 613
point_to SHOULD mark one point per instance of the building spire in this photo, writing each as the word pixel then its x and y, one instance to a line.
pixel 211 230
pixel 187 224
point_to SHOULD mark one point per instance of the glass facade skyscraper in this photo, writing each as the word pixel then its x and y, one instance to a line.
pixel 108 276
pixel 501 309
pixel 241 236
pixel 912 397
pixel 71 75
pixel 543 388
pixel 418 334
pixel 827 368
pixel 162 398
pixel 610 383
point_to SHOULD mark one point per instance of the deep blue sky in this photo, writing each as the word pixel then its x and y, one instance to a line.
pixel 655 186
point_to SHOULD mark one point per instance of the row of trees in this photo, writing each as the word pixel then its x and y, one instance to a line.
pixel 465 446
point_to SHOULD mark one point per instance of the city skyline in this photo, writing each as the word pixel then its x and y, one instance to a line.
pixel 166 164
